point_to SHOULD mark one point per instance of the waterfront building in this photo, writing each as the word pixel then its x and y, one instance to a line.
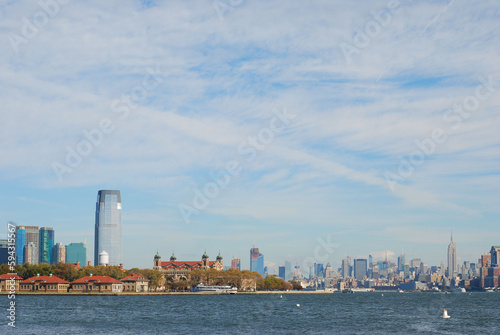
pixel 4 251
pixel 30 253
pixel 45 245
pixel 76 252
pixel 58 253
pixel 43 284
pixel 346 267
pixel 108 226
pixel 6 281
pixel 452 258
pixel 236 264
pixel 135 282
pixel 485 261
pixel 360 268
pixel 257 261
pixel 97 284
pixel 181 269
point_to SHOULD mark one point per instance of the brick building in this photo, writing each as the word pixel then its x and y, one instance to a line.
pixel 135 283
pixel 43 284
pixel 6 281
pixel 180 269
pixel 97 284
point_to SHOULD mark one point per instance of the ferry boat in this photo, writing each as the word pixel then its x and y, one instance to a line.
pixel 214 289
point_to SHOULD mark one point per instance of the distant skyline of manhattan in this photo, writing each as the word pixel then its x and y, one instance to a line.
pixel 372 125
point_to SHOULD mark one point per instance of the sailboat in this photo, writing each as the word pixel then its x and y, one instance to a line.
pixel 445 314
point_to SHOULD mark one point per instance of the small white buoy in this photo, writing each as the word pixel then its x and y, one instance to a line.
pixel 445 314
pixel 298 305
pixel 281 297
pixel 382 294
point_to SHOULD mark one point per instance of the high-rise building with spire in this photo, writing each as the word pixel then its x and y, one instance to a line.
pixel 452 258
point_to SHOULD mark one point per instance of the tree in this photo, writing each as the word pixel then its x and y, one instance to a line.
pixel 296 285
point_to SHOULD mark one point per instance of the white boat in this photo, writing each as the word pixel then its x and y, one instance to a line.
pixel 435 289
pixel 400 291
pixel 459 290
pixel 215 289
pixel 445 314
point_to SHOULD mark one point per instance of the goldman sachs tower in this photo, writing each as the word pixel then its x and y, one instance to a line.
pixel 108 226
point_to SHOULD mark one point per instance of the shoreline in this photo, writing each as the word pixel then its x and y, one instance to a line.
pixel 164 293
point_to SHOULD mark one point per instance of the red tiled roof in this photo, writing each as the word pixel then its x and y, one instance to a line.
pixel 135 277
pixel 11 276
pixel 99 279
pixel 44 279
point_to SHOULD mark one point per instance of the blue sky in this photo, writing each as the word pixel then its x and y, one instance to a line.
pixel 391 139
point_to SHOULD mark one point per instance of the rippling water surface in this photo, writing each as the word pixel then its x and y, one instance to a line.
pixel 359 313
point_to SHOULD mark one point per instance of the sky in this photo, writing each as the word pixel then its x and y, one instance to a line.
pixel 309 129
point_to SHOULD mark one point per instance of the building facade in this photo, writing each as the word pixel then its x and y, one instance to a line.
pixel 4 251
pixel 135 282
pixel 58 253
pixel 45 245
pixel 108 226
pixel 25 235
pixel 256 261
pixel 360 268
pixel 97 284
pixel 10 282
pixel 76 252
pixel 181 269
pixel 30 253
pixel 346 267
pixel 44 284
pixel 236 264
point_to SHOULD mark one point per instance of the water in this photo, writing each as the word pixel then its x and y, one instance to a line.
pixel 358 313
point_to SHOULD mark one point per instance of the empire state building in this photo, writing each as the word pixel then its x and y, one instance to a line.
pixel 452 258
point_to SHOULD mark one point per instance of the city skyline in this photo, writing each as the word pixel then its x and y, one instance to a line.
pixel 284 125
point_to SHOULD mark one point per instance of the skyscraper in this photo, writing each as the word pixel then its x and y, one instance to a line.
pixel 76 252
pixel 256 261
pixel 30 253
pixel 58 253
pixel 346 267
pixel 401 263
pixel 4 251
pixel 360 268
pixel 452 258
pixel 25 235
pixel 236 264
pixel 108 226
pixel 45 245
pixel 281 272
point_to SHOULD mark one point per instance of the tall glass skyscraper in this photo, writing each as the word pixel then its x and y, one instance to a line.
pixel 45 245
pixel 25 235
pixel 256 261
pixel 452 258
pixel 76 252
pixel 108 226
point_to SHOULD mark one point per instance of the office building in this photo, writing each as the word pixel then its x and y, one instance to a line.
pixel 281 272
pixel 4 251
pixel 495 256
pixel 59 253
pixel 45 245
pixel 236 264
pixel 452 258
pixel 76 252
pixel 346 267
pixel 360 268
pixel 319 270
pixel 25 235
pixel 30 253
pixel 108 226
pixel 401 263
pixel 257 261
